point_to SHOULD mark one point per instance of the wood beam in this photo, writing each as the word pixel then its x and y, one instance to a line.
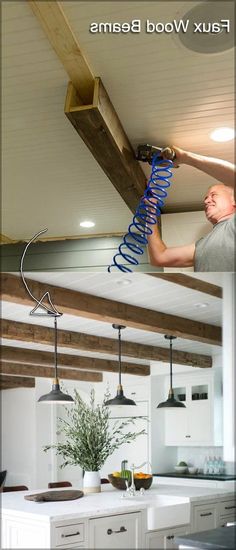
pixel 48 372
pixel 102 309
pixel 27 332
pixel 190 282
pixel 100 128
pixel 46 358
pixel 61 37
pixel 89 108
pixel 7 382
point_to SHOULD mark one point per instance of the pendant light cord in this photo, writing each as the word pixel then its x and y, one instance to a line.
pixel 171 365
pixel 55 346
pixel 119 350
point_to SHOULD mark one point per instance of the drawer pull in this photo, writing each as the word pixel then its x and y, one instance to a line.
pixel 170 537
pixel 206 514
pixel 70 535
pixel 188 436
pixel 229 507
pixel 121 530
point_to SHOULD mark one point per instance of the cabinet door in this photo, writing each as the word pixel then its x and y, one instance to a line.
pixel 204 517
pixel 165 539
pixel 123 531
pixel 200 422
pixel 176 427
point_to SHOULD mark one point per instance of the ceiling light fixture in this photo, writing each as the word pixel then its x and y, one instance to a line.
pixel 56 395
pixel 45 307
pixel 119 399
pixel 201 305
pixel 124 282
pixel 171 401
pixel 222 134
pixel 87 224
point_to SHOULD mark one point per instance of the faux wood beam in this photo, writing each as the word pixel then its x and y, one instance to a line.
pixel 27 332
pixel 89 108
pixel 190 282
pixel 62 39
pixel 46 358
pixel 7 382
pixel 100 128
pixel 47 372
pixel 102 309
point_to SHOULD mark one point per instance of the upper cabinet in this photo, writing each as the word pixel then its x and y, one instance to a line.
pixel 200 423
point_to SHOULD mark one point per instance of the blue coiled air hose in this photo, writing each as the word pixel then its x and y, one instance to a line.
pixel 149 209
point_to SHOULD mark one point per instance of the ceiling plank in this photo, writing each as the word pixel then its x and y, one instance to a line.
pixel 7 382
pixel 27 332
pixel 190 282
pixel 61 37
pixel 89 108
pixel 46 358
pixel 93 307
pixel 48 372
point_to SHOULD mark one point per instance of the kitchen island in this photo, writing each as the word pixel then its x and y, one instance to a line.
pixel 105 520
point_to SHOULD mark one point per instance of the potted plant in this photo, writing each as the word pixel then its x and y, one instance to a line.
pixel 89 438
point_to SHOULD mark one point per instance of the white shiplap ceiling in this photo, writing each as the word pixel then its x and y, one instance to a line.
pixel 144 291
pixel 162 92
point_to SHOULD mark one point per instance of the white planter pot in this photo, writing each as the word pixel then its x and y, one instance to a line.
pixel 92 482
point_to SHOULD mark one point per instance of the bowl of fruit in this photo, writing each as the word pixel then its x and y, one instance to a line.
pixel 120 480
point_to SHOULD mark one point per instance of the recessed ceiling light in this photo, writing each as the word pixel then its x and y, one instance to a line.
pixel 124 282
pixel 87 224
pixel 201 305
pixel 223 134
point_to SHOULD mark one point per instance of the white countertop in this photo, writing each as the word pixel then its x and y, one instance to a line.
pixel 108 502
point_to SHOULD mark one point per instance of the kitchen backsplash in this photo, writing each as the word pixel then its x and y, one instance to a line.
pixel 195 456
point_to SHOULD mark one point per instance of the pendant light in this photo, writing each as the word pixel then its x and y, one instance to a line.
pixel 45 307
pixel 119 399
pixel 56 395
pixel 171 401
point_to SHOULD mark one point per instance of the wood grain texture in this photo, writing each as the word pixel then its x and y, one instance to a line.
pixel 37 370
pixel 61 37
pixel 46 358
pixel 102 309
pixel 190 282
pixel 16 382
pixel 26 332
pixel 100 128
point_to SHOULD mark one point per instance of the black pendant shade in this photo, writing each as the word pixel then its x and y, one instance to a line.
pixel 55 395
pixel 120 398
pixel 171 401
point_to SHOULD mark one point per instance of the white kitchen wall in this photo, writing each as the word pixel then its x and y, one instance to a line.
pixel 18 436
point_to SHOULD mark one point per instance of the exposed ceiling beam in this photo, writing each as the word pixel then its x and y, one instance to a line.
pixel 8 382
pixel 102 309
pixel 46 358
pixel 89 108
pixel 61 37
pixel 190 282
pixel 27 332
pixel 48 372
pixel 100 128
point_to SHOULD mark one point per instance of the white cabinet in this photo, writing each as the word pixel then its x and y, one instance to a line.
pixel 69 534
pixel 204 517
pixel 165 538
pixel 227 511
pixel 200 423
pixel 121 531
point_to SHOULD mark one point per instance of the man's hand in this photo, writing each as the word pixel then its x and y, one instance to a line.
pixel 179 155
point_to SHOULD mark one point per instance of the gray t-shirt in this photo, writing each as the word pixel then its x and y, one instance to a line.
pixel 216 251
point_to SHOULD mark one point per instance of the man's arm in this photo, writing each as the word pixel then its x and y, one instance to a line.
pixel 162 256
pixel 221 170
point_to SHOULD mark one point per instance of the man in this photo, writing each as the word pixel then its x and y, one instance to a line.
pixel 216 251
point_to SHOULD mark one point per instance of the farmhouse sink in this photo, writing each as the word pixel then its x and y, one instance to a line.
pixel 166 511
